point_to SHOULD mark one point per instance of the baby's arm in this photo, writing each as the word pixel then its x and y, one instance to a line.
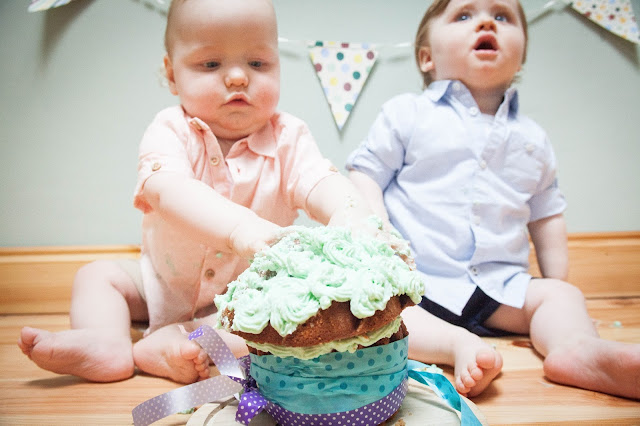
pixel 371 192
pixel 549 236
pixel 204 215
pixel 336 201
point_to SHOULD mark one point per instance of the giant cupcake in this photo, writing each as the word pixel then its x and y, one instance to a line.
pixel 320 313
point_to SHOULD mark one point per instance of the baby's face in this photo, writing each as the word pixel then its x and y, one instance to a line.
pixel 223 64
pixel 480 42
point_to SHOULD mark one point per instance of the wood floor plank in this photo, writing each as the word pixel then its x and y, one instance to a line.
pixel 520 395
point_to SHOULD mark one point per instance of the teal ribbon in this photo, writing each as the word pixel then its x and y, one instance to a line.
pixel 345 381
pixel 445 390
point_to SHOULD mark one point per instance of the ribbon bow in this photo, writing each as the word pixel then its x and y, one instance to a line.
pixel 251 401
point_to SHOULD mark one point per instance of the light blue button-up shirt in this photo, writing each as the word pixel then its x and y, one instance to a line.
pixel 461 186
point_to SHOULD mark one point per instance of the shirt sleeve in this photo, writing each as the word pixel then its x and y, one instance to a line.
pixel 162 149
pixel 381 154
pixel 302 164
pixel 548 199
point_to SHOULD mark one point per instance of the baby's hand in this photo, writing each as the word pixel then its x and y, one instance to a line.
pixel 384 231
pixel 355 215
pixel 253 236
pixel 391 236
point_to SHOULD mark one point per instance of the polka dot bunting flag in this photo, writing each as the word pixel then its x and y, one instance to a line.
pixel 343 69
pixel 40 5
pixel 614 15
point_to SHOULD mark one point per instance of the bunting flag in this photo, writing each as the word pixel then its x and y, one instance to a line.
pixel 343 69
pixel 40 5
pixel 614 15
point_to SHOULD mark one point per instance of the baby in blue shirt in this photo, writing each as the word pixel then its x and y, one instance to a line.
pixel 462 175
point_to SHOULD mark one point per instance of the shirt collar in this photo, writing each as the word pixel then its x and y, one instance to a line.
pixel 262 142
pixel 439 88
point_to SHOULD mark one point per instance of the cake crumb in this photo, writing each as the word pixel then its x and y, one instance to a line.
pixel 400 423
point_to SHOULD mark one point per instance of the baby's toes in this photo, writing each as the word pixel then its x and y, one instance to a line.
pixel 190 351
pixel 475 373
pixel 203 374
pixel 461 385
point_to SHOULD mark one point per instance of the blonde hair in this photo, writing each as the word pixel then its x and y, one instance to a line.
pixel 169 27
pixel 435 10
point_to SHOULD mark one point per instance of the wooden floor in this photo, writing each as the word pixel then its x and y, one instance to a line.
pixel 33 281
pixel 29 395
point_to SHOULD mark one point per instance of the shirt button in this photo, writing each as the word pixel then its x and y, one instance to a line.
pixel 195 124
pixel 215 160
pixel 209 274
pixel 529 147
pixel 474 270
pixel 473 110
pixel 476 219
pixel 155 167
pixel 457 86
pixel 483 164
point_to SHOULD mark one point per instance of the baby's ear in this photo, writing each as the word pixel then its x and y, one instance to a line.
pixel 424 59
pixel 168 71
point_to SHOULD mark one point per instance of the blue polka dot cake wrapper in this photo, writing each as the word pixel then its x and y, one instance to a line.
pixel 368 384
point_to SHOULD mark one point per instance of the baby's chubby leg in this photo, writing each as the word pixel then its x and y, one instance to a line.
pixel 432 340
pixel 168 352
pixel 98 348
pixel 562 331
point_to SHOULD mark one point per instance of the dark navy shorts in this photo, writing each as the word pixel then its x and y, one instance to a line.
pixel 478 309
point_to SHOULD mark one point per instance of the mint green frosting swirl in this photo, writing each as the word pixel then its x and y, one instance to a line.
pixel 307 270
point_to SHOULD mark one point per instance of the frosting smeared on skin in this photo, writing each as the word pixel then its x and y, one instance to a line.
pixel 309 269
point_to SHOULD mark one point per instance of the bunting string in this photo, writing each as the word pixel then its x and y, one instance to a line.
pixel 343 68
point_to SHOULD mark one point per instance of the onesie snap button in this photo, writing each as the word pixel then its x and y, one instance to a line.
pixel 155 167
pixel 215 160
pixel 210 273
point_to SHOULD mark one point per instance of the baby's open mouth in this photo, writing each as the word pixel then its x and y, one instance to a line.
pixel 486 43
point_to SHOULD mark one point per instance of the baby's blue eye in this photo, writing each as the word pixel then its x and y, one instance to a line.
pixel 463 17
pixel 211 64
pixel 502 18
pixel 255 64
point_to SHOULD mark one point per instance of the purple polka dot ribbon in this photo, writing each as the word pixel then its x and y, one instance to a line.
pixel 369 415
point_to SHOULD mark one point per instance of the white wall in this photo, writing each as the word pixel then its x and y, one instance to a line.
pixel 78 86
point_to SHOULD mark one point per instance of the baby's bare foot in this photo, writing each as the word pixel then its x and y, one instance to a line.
pixel 92 355
pixel 169 353
pixel 597 364
pixel 477 364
